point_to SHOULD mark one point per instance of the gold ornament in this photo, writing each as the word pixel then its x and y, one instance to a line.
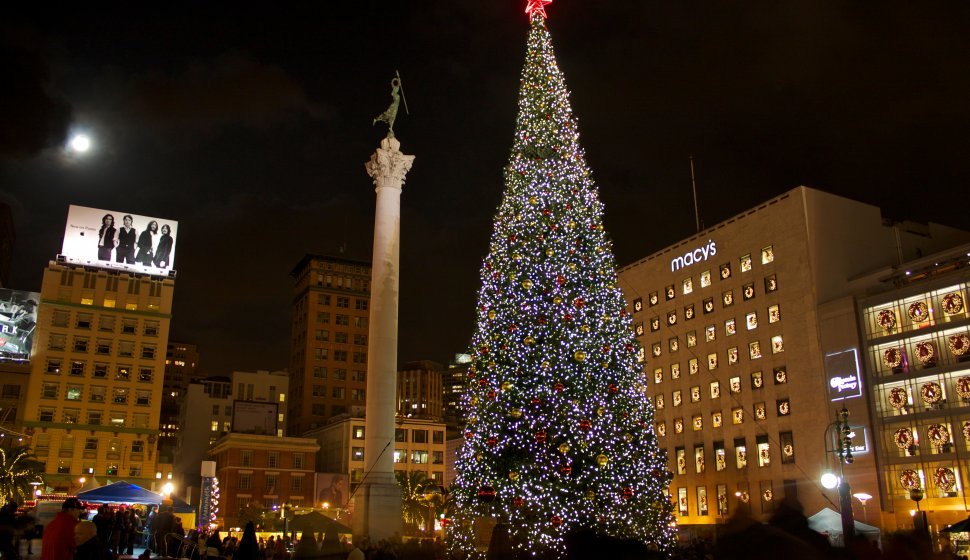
pixel 546 364
pixel 584 328
pixel 527 284
pixel 600 411
pixel 550 252
pixel 492 314
pixel 473 420
pixel 580 356
pixel 491 364
pixel 513 476
pixel 602 460
pixel 564 448
pixel 557 300
pixel 506 385
pixel 533 200
pixel 583 444
pixel 474 401
pixel 590 495
pixel 628 437
pixel 529 341
pixel 515 413
pixel 516 257
pixel 572 266
pixel 479 456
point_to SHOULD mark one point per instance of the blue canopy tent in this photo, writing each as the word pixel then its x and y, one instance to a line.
pixel 127 493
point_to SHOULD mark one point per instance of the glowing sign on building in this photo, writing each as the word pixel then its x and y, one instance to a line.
pixel 689 258
pixel 844 377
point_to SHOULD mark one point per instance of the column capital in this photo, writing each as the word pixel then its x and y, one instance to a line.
pixel 388 166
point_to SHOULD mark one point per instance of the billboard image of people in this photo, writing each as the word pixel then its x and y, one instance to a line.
pixel 18 317
pixel 332 490
pixel 122 240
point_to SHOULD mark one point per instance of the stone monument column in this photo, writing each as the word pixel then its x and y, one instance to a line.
pixel 377 508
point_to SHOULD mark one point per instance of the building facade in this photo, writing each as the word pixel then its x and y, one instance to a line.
pixel 265 472
pixel 181 365
pixel 916 350
pixel 14 382
pixel 328 349
pixel 420 390
pixel 744 327
pixel 454 380
pixel 95 390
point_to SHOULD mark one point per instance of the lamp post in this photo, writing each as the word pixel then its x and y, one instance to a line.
pixel 844 450
pixel 863 497
pixel 919 518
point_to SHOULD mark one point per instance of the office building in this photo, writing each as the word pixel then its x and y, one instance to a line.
pixel 419 390
pixel 454 380
pixel 181 366
pixel 750 343
pixel 328 350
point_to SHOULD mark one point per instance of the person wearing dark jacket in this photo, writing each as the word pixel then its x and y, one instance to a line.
pixel 106 238
pixel 125 253
pixel 58 542
pixel 89 546
pixel 146 244
pixel 163 253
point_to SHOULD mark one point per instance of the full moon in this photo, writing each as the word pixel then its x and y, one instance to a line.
pixel 80 143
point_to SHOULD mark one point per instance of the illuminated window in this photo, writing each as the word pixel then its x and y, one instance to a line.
pixel 787 443
pixel 689 312
pixel 759 411
pixel 49 391
pixel 675 371
pixel 730 327
pixel 73 393
pixel 746 263
pixel 757 380
pixel 653 299
pixel 658 401
pixel 638 329
pixel 732 355
pixel 695 394
pixel 725 271
pixel 727 298
pixel 676 398
pixel 751 320
pixel 747 292
pixel 654 324
pixel 715 389
pixel 767 255
pixel 781 375
pixel 658 375
pixel 754 350
pixel 673 344
pixel 712 361
pixel 638 305
pixel 691 339
pixel 710 333
pixel 734 385
pixel 737 415
pixel 740 453
pixel 97 393
pixel 708 305
pixel 777 344
pixel 717 419
pixel 705 278
pixel 661 428
pixel 699 459
pixel 670 292
pixel 681 455
pixel 697 422
pixel 672 318
pixel 678 425
pixel 784 407
pixel 692 366
pixel 214 426
pixel 720 457
pixel 682 504
pixel 688 285
pixel 771 283
pixel 656 349
pixel 774 314
pixel 764 451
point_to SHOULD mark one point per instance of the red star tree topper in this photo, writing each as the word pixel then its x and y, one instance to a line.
pixel 537 6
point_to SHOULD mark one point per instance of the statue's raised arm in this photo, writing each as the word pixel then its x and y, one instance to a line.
pixel 390 114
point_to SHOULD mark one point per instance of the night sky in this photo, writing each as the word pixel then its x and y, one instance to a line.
pixel 251 129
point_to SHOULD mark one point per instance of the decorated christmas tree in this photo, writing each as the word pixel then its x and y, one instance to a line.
pixel 559 433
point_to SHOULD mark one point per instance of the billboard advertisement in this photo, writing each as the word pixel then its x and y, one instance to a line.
pixel 254 417
pixel 18 318
pixel 121 240
pixel 332 490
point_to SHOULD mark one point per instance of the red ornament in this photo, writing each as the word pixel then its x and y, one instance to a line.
pixel 585 425
pixel 469 434
pixel 567 317
pixel 536 401
pixel 513 327
pixel 492 441
pixel 483 382
pixel 606 349
pixel 627 493
pixel 560 279
pixel 486 494
pixel 512 237
pixel 541 436
pixel 471 375
pixel 579 302
pixel 542 319
pixel 547 212
pixel 613 389
pixel 555 520
pixel 518 502
pixel 566 470
pixel 490 395
pixel 629 348
pixel 558 387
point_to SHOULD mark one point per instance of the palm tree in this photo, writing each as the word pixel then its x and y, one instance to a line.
pixel 414 504
pixel 19 467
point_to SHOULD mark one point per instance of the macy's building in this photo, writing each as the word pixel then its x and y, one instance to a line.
pixel 758 330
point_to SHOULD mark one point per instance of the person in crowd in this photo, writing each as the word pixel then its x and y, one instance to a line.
pixel 163 252
pixel 213 545
pixel 164 524
pixel 357 552
pixel 88 545
pixel 117 531
pixel 8 531
pixel 58 542
pixel 133 528
pixel 306 549
pixel 125 252
pixel 248 547
pixel 146 244
pixel 280 552
pixel 106 238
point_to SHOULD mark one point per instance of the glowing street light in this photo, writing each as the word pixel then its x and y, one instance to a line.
pixel 829 480
pixel 863 497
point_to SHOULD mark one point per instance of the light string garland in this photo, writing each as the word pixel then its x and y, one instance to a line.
pixel 560 432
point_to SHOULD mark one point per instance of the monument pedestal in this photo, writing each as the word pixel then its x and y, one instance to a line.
pixel 377 511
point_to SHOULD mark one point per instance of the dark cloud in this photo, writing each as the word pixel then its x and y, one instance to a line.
pixel 31 118
pixel 230 90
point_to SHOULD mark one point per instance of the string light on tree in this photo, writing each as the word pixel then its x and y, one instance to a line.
pixel 560 433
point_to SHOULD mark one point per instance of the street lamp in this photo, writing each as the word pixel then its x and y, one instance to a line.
pixel 919 516
pixel 863 497
pixel 844 435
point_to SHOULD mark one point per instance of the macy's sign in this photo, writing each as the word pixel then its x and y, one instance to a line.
pixel 700 254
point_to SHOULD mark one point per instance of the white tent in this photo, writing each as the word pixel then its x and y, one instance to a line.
pixel 829 523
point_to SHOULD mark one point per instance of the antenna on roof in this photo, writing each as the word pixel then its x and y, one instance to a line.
pixel 693 184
